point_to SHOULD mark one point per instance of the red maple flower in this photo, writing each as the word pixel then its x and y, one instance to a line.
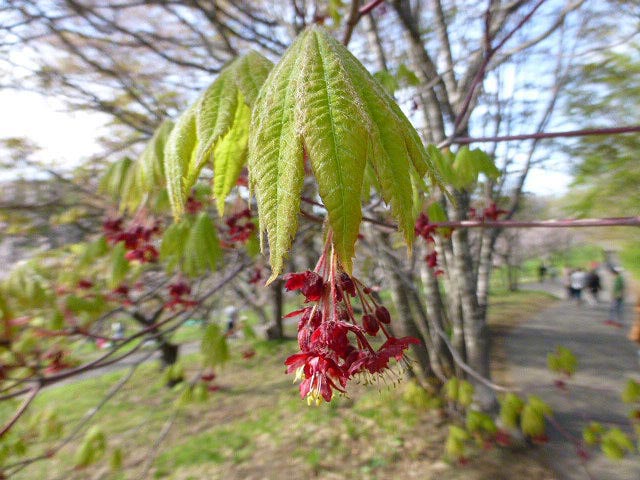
pixel 370 324
pixel 383 315
pixel 193 206
pixel 309 283
pixel 333 345
pixel 492 212
pixel 502 438
pixel 85 284
pixel 432 259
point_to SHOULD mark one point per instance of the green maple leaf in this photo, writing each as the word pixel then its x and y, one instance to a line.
pixel 179 150
pixel 319 102
pixel 215 129
pixel 222 121
pixel 115 177
pixel 151 161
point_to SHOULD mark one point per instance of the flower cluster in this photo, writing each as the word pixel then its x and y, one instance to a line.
pixel 334 345
pixel 491 213
pixel 136 238
pixel 179 293
pixel 121 294
pixel 57 361
pixel 239 227
pixel 192 206
pixel 427 231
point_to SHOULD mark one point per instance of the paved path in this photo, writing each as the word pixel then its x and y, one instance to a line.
pixel 606 360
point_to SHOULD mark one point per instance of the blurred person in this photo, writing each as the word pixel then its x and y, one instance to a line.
pixel 616 312
pixel 593 285
pixel 578 282
pixel 542 272
pixel 232 319
pixel 634 333
pixel 566 281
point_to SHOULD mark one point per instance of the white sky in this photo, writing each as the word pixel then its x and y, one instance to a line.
pixel 64 137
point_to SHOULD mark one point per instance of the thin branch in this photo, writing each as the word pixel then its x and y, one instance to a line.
pixel 564 223
pixel 352 21
pixel 23 408
pixel 16 467
pixel 367 8
pixel 153 451
pixel 542 135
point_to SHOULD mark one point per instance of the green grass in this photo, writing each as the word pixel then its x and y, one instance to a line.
pixel 577 256
pixel 630 258
pixel 257 426
pixel 507 308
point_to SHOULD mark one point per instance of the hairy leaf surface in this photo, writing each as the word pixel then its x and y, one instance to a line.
pixel 202 250
pixel 222 120
pixel 276 165
pixel 115 177
pixel 178 152
pixel 230 154
pixel 320 101
pixel 152 158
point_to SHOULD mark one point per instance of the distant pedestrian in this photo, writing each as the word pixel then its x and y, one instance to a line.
pixel 542 272
pixel 578 282
pixel 616 313
pixel 566 281
pixel 634 333
pixel 232 319
pixel 593 284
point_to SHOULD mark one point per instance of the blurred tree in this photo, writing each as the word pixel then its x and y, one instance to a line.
pixel 458 69
pixel 607 173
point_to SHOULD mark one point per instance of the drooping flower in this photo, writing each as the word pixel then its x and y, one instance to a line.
pixel 334 346
pixel 309 283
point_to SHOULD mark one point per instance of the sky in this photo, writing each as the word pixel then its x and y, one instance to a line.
pixel 65 137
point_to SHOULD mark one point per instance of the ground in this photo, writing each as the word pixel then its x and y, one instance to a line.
pixel 257 427
pixel 606 361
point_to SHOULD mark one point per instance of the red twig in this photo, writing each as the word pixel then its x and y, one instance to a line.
pixel 543 135
pixel 564 223
pixel 370 6
pixel 23 408
pixel 352 21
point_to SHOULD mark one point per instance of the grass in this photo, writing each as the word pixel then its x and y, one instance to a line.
pixel 256 425
pixel 630 258
pixel 577 256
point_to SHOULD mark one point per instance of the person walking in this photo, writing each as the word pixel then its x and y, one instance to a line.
pixel 578 281
pixel 634 333
pixel 566 281
pixel 616 312
pixel 593 284
pixel 542 272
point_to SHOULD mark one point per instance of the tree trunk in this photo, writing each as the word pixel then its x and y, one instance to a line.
pixel 476 332
pixel 169 353
pixel 485 266
pixel 513 277
pixel 405 325
pixel 435 317
pixel 275 330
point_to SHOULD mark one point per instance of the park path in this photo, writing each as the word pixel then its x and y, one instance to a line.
pixel 606 361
